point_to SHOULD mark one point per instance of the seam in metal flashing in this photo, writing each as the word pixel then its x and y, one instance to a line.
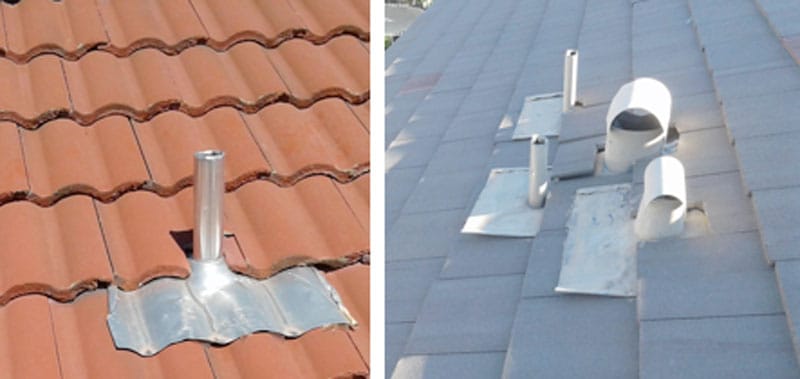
pixel 214 304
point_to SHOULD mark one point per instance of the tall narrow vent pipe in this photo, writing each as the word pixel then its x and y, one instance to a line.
pixel 570 93
pixel 209 188
pixel 538 178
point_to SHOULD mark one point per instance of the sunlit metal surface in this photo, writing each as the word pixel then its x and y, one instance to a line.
pixel 539 178
pixel 217 305
pixel 541 114
pixel 208 189
pixel 600 248
pixel 636 123
pixel 662 210
pixel 502 208
pixel 570 79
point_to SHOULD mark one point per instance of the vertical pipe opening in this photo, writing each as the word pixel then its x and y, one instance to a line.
pixel 209 188
pixel 570 79
pixel 538 179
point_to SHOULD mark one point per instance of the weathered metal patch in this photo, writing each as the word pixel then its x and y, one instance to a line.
pixel 219 306
pixel 502 208
pixel 541 114
pixel 600 248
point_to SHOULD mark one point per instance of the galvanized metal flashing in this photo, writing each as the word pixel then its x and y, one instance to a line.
pixel 541 114
pixel 502 208
pixel 600 248
pixel 219 306
pixel 214 304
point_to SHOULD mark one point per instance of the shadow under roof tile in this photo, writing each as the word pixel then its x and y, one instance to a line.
pixel 100 83
pixel 26 348
pixel 170 140
pixel 39 88
pixel 326 133
pixel 132 24
pixel 56 251
pixel 137 231
pixel 36 26
pixel 311 71
pixel 319 353
pixel 281 227
pixel 63 153
pixel 86 350
pixel 13 176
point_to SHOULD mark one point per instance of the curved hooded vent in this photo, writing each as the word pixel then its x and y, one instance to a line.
pixel 662 210
pixel 636 123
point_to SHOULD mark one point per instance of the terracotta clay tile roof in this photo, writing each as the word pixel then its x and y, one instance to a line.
pixel 122 27
pixel 110 101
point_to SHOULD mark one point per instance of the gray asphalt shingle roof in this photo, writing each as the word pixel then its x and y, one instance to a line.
pixel 708 306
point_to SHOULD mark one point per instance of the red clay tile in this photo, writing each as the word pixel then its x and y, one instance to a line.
pixel 12 175
pixel 39 89
pixel 102 157
pixel 317 354
pixel 278 227
pixel 137 230
pixel 322 16
pixel 36 26
pixel 58 251
pixel 167 25
pixel 268 21
pixel 170 140
pixel 352 284
pixel 357 196
pixel 243 74
pixel 100 83
pixel 345 67
pixel 327 133
pixel 86 350
pixel 26 340
pixel 362 112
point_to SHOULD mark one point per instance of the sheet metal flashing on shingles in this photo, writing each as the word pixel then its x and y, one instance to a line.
pixel 502 207
pixel 600 248
pixel 541 114
pixel 218 306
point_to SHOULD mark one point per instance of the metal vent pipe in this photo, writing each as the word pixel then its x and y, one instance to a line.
pixel 538 179
pixel 662 210
pixel 209 188
pixel 570 92
pixel 636 123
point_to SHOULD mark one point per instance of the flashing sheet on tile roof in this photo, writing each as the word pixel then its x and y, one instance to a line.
pixel 600 248
pixel 218 306
pixel 541 114
pixel 502 207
